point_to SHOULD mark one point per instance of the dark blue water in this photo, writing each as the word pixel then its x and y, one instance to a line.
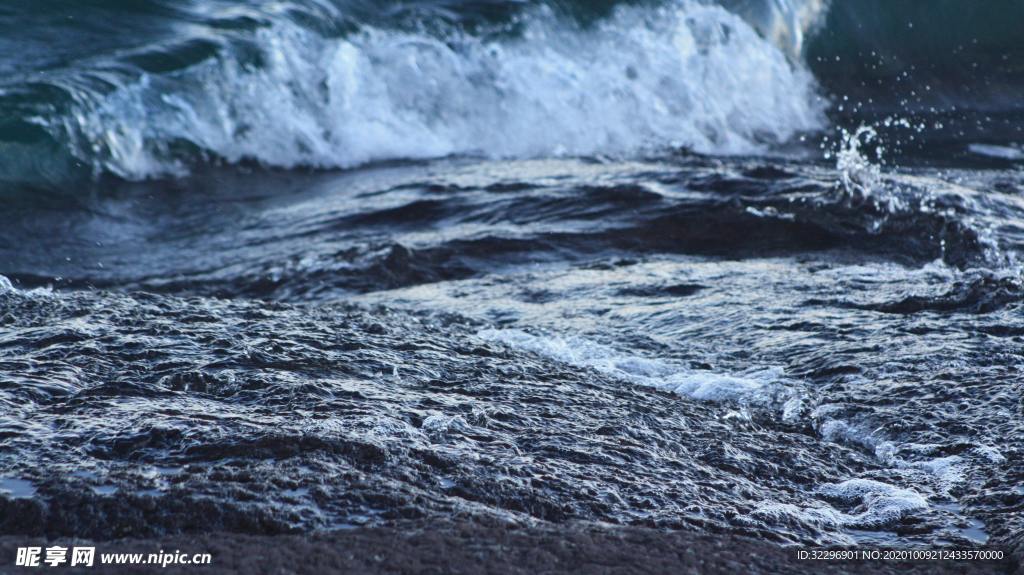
pixel 748 267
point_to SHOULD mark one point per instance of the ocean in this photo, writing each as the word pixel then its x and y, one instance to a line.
pixel 748 267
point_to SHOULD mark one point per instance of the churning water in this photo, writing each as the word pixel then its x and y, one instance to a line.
pixel 298 265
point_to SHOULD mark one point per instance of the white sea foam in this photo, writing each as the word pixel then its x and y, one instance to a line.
pixel 40 292
pixel 438 424
pixel 882 503
pixel 947 471
pixel 839 431
pixel 756 388
pixel 686 74
pixel 820 515
pixel 874 504
pixel 916 462
pixel 990 453
pixel 871 504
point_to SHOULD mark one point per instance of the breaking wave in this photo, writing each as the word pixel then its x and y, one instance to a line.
pixel 683 75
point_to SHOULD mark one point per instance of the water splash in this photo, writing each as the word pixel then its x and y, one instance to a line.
pixel 857 173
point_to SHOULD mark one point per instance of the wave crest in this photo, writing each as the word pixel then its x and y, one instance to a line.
pixel 686 75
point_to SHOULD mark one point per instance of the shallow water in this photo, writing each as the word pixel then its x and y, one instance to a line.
pixel 551 308
pixel 715 344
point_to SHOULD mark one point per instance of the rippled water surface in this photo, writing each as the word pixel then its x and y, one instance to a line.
pixel 579 264
pixel 723 345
